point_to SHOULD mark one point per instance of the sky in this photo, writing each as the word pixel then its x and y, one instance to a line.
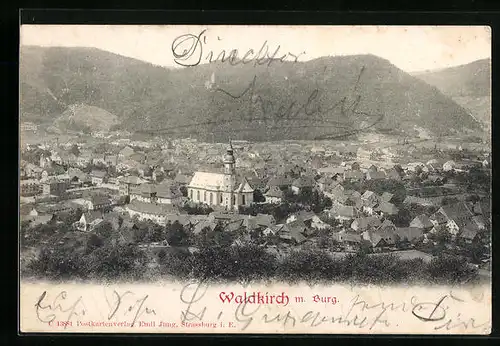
pixel 411 48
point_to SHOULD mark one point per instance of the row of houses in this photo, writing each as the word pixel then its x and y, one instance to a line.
pixel 461 221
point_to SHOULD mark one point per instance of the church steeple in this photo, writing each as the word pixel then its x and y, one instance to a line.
pixel 229 160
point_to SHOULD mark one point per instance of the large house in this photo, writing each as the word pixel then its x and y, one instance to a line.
pixel 129 183
pixel 150 211
pixel 97 202
pixel 30 187
pixel 54 187
pixel 89 220
pixel 155 193
pixel 221 189
pixel 274 195
pixel 98 176
pixel 457 215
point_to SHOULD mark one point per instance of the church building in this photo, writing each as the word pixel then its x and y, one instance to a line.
pixel 221 189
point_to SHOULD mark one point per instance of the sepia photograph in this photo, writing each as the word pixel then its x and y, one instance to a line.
pixel 255 179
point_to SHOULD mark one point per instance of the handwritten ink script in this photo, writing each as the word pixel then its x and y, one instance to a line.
pixel 260 108
pixel 68 310
pixel 341 117
pixel 200 307
pixel 359 315
pixel 189 50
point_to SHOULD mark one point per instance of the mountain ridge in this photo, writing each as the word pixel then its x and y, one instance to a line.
pixel 327 96
pixel 469 85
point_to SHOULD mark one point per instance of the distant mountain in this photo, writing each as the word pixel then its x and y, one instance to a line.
pixel 469 85
pixel 322 98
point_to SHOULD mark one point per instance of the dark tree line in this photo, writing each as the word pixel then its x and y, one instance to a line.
pixel 245 263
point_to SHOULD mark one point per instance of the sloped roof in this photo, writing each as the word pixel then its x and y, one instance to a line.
pixel 421 221
pixel 244 186
pixel 325 180
pixel 409 233
pixel 213 181
pixel 166 191
pixel 303 182
pixel 470 231
pixel 347 211
pixel 147 189
pixel 386 196
pixel 131 179
pixel 393 174
pixel 365 222
pixel 91 216
pixel 274 192
pixel 458 212
pixel 376 175
pixel 279 181
pixel 293 231
pixel 332 170
pixel 384 235
pixel 265 219
pixel 387 224
pixel 99 199
pixel 387 208
pixel 75 172
pixel 354 174
pixel 368 194
pixel 204 224
pixel 183 219
pixel 150 208
pixel 304 215
pixel 98 173
pixel 482 207
pixel 417 200
pixel 351 237
pixel 126 151
pixel 479 220
pixel 438 217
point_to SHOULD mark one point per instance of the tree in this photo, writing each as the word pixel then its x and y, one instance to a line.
pixel 446 269
pixel 110 262
pixel 156 233
pixel 311 265
pixel 104 230
pixel 58 263
pixel 365 247
pixel 443 236
pixel 75 150
pixel 252 263
pixel 476 250
pixel 93 242
pixel 183 190
pixel 258 196
pixel 176 235
pixel 449 200
pixel 140 233
pixel 325 241
pixel 214 263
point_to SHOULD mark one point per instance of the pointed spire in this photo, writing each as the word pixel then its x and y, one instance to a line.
pixel 230 147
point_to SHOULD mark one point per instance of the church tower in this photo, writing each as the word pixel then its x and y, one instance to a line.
pixel 229 161
pixel 229 197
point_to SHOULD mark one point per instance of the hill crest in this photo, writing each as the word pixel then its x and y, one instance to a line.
pixel 268 102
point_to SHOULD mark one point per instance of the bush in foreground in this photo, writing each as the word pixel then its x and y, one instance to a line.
pixel 248 263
